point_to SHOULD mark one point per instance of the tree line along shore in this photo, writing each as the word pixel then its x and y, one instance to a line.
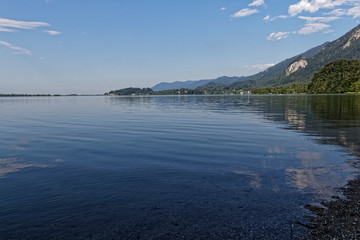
pixel 340 76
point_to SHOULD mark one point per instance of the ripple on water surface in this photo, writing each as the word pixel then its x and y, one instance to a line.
pixel 170 167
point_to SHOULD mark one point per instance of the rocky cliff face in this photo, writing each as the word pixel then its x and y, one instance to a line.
pixel 295 66
pixel 355 36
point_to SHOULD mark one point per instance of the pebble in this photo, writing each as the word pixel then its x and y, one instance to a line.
pixel 340 218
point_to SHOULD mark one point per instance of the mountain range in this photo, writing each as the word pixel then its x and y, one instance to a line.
pixel 192 84
pixel 298 69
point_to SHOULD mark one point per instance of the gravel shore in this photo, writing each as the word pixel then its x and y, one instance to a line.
pixel 340 219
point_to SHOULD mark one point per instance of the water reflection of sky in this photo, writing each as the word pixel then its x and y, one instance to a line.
pixel 255 178
pixel 176 158
pixel 11 165
pixel 328 120
pixel 17 162
pixel 314 177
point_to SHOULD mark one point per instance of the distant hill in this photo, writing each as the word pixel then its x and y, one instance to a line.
pixel 304 66
pixel 178 85
pixel 195 84
pixel 131 91
pixel 265 75
pixel 298 69
pixel 277 75
pixel 337 77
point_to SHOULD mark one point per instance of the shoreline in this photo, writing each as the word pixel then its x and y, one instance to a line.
pixel 340 218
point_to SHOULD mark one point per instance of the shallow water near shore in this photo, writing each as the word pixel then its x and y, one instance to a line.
pixel 171 167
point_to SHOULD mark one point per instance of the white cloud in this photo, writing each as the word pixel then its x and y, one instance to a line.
pixel 354 12
pixel 223 9
pixel 316 24
pixel 51 32
pixel 2 29
pixel 315 5
pixel 277 36
pixel 8 25
pixel 244 12
pixel 318 19
pixel 282 17
pixel 17 50
pixel 257 3
pixel 260 66
pixel 310 28
pixel 268 18
pixel 338 12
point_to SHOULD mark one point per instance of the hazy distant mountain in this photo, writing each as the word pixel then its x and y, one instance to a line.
pixel 195 84
pixel 178 85
pixel 300 68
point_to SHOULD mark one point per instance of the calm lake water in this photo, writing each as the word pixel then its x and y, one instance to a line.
pixel 173 167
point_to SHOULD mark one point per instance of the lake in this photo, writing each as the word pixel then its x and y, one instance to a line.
pixel 172 167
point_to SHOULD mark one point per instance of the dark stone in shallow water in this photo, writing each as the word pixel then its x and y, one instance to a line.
pixel 340 219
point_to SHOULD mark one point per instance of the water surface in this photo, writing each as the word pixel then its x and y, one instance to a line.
pixel 173 167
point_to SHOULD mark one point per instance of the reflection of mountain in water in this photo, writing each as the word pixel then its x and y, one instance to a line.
pixel 342 114
pixel 335 119
pixel 330 119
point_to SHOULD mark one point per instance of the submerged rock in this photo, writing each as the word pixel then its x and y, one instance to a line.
pixel 339 219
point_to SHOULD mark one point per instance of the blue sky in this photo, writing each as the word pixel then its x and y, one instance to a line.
pixel 93 46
